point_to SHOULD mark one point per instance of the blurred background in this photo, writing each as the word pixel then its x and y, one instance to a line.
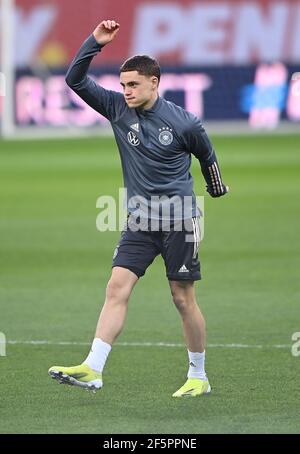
pixel 234 63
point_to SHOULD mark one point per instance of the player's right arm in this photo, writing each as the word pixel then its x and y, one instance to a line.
pixel 108 103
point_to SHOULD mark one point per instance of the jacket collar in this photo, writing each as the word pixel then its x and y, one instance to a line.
pixel 156 106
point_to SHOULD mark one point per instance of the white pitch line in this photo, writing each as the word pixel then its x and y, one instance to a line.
pixel 145 344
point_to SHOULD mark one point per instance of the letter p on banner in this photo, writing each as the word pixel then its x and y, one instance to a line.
pixel 2 344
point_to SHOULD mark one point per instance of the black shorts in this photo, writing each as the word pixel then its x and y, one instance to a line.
pixel 136 250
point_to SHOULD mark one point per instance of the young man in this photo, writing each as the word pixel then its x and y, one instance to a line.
pixel 155 139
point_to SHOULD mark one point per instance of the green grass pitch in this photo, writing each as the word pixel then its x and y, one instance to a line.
pixel 54 266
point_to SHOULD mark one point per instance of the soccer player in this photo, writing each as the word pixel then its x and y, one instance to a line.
pixel 155 139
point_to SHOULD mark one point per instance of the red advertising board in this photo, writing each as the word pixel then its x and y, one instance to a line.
pixel 181 32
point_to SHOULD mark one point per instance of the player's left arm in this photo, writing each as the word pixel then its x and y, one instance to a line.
pixel 198 143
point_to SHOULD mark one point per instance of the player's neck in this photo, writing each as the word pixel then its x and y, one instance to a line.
pixel 150 103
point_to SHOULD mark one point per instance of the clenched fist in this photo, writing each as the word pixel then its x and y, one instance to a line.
pixel 106 31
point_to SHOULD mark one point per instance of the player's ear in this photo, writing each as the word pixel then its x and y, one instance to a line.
pixel 154 81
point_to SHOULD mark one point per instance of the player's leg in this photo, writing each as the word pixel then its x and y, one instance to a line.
pixel 111 321
pixel 113 313
pixel 180 253
pixel 193 323
pixel 183 293
pixel 134 253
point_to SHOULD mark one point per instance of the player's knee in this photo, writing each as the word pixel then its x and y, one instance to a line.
pixel 116 291
pixel 183 295
pixel 182 303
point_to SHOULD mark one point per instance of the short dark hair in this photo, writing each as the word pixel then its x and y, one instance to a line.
pixel 143 64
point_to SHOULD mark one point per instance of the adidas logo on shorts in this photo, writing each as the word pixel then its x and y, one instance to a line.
pixel 183 269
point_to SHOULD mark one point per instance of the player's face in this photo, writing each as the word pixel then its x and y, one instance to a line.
pixel 139 91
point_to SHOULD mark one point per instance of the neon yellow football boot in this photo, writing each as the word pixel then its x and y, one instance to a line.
pixel 82 376
pixel 193 387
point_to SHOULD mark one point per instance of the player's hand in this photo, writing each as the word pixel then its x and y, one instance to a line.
pixel 106 31
pixel 217 192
